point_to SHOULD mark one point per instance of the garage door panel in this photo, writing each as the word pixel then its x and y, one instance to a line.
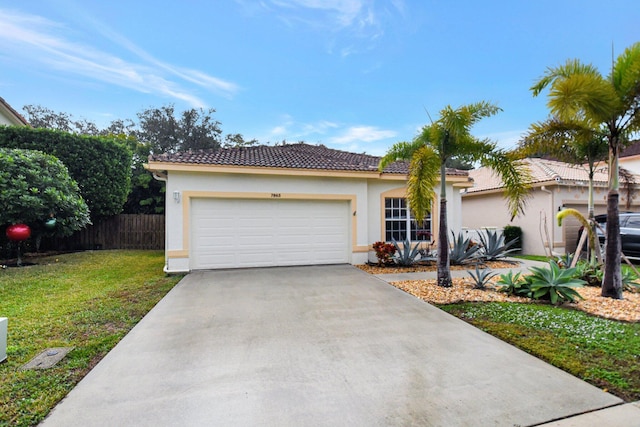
pixel 229 233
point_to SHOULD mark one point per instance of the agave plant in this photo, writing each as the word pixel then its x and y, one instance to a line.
pixel 554 283
pixel 463 251
pixel 514 284
pixel 406 255
pixel 494 247
pixel 481 277
pixel 629 278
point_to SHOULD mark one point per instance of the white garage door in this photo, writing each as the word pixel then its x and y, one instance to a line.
pixel 232 233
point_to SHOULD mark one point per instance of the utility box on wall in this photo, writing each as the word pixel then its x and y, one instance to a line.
pixel 3 338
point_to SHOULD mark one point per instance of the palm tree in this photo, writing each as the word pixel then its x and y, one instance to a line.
pixel 571 142
pixel 449 137
pixel 579 93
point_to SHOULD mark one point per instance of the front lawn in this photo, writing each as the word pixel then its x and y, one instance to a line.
pixel 87 301
pixel 601 351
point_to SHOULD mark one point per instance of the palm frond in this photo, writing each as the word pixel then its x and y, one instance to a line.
pixel 570 68
pixel 586 97
pixel 570 141
pixel 424 171
pixel 515 176
pixel 626 73
pixel 400 151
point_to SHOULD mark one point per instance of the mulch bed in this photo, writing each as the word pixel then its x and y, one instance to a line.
pixel 627 309
pixel 391 269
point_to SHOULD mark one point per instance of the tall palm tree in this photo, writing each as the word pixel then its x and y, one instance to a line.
pixel 450 137
pixel 579 92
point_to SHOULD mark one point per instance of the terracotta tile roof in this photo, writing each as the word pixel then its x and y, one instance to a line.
pixel 542 170
pixel 10 109
pixel 288 156
pixel 632 150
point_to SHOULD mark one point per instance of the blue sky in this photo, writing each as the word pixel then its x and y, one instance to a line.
pixel 356 75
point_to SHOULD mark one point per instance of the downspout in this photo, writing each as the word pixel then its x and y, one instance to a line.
pixel 162 176
pixel 553 225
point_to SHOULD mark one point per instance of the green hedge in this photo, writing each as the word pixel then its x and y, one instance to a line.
pixel 101 166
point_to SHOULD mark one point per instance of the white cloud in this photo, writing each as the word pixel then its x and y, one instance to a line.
pixel 349 26
pixel 362 134
pixel 38 41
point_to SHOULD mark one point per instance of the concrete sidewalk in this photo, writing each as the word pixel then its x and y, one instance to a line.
pixel 318 346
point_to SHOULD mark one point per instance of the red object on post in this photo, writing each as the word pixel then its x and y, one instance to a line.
pixel 18 232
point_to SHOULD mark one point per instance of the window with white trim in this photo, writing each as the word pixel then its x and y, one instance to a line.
pixel 398 221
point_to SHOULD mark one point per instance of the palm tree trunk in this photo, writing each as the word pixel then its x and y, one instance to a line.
pixel 612 281
pixel 444 270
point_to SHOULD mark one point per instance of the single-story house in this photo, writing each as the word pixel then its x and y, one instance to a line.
pixel 555 185
pixel 9 116
pixel 289 204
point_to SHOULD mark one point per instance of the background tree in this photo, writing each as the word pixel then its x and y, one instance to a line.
pixel 35 187
pixel 155 130
pixel 450 138
pixel 580 93
pixel 166 133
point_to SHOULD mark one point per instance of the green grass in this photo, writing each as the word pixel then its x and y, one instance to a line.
pixel 540 258
pixel 86 300
pixel 604 352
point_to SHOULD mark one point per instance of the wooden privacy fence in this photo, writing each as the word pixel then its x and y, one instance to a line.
pixel 125 231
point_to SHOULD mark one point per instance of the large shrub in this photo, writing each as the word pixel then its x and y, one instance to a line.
pixel 101 166
pixel 35 187
pixel 513 232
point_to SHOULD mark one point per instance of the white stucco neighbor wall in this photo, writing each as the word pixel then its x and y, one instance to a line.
pixel 363 194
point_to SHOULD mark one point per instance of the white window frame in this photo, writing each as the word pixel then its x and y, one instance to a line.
pixel 396 211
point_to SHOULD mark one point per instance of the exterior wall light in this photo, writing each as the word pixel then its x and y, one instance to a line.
pixel 176 196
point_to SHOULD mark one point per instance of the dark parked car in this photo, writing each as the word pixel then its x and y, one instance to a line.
pixel 629 232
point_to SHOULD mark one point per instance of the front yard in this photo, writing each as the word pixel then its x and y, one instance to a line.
pixel 87 301
pixel 90 300
pixel 596 339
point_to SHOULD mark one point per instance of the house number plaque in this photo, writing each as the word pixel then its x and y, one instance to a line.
pixel 276 195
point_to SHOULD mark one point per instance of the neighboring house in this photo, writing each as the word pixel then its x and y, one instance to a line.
pixel 9 116
pixel 630 157
pixel 291 204
pixel 555 185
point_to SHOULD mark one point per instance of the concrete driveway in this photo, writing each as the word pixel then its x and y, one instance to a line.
pixel 315 346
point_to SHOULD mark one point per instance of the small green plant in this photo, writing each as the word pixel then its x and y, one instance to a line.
pixel 384 252
pixel 590 273
pixel 481 277
pixel 629 278
pixel 514 284
pixel 464 251
pixel 554 283
pixel 405 255
pixel 494 246
pixel 564 261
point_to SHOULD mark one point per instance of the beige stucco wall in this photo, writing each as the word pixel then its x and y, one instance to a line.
pixel 489 210
pixel 363 193
pixel 631 163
